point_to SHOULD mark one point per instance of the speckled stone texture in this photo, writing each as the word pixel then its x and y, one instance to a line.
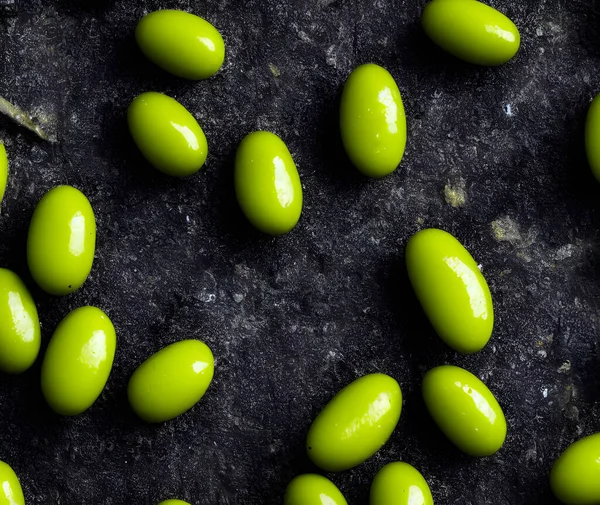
pixel 494 156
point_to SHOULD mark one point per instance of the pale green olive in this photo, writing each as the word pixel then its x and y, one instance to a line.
pixel 167 135
pixel 3 171
pixel 19 324
pixel 267 183
pixel 451 289
pixel 592 137
pixel 372 121
pixel 465 410
pixel 355 423
pixel 575 476
pixel 10 487
pixel 313 489
pixel 61 241
pixel 171 381
pixel 472 31
pixel 181 43
pixel 173 502
pixel 400 484
pixel 78 361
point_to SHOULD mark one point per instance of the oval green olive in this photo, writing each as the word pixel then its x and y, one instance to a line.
pixel 171 381
pixel 78 361
pixel 575 476
pixel 10 487
pixel 472 31
pixel 173 502
pixel 19 324
pixel 465 410
pixel 167 134
pixel 355 423
pixel 313 489
pixel 372 121
pixel 3 171
pixel 181 43
pixel 61 241
pixel 452 291
pixel 592 137
pixel 267 183
pixel 399 484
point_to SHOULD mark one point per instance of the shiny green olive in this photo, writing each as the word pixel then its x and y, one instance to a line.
pixel 173 502
pixel 451 289
pixel 592 137
pixel 267 183
pixel 472 31
pixel 575 476
pixel 10 487
pixel 171 381
pixel 399 484
pixel 3 170
pixel 78 361
pixel 181 43
pixel 19 324
pixel 465 410
pixel 372 121
pixel 313 489
pixel 61 241
pixel 355 423
pixel 167 134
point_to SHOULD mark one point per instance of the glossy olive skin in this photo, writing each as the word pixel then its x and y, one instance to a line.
pixel 465 410
pixel 19 324
pixel 267 184
pixel 171 381
pixel 471 31
pixel 3 171
pixel 181 43
pixel 592 137
pixel 78 361
pixel 173 502
pixel 62 241
pixel 10 487
pixel 575 476
pixel 167 135
pixel 452 291
pixel 373 121
pixel 399 483
pixel 313 489
pixel 355 423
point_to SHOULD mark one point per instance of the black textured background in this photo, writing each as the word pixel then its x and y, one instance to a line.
pixel 494 155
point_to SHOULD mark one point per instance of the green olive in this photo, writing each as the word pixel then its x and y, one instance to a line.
pixel 3 171
pixel 181 43
pixel 465 410
pixel 355 423
pixel 372 121
pixel 592 137
pixel 472 31
pixel 78 361
pixel 267 183
pixel 312 489
pixel 171 381
pixel 575 476
pixel 61 241
pixel 10 492
pixel 451 289
pixel 173 502
pixel 399 484
pixel 167 134
pixel 19 324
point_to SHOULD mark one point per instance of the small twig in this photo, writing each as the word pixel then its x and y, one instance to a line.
pixel 21 118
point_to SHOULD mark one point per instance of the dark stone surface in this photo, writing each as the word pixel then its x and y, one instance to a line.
pixel 294 319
